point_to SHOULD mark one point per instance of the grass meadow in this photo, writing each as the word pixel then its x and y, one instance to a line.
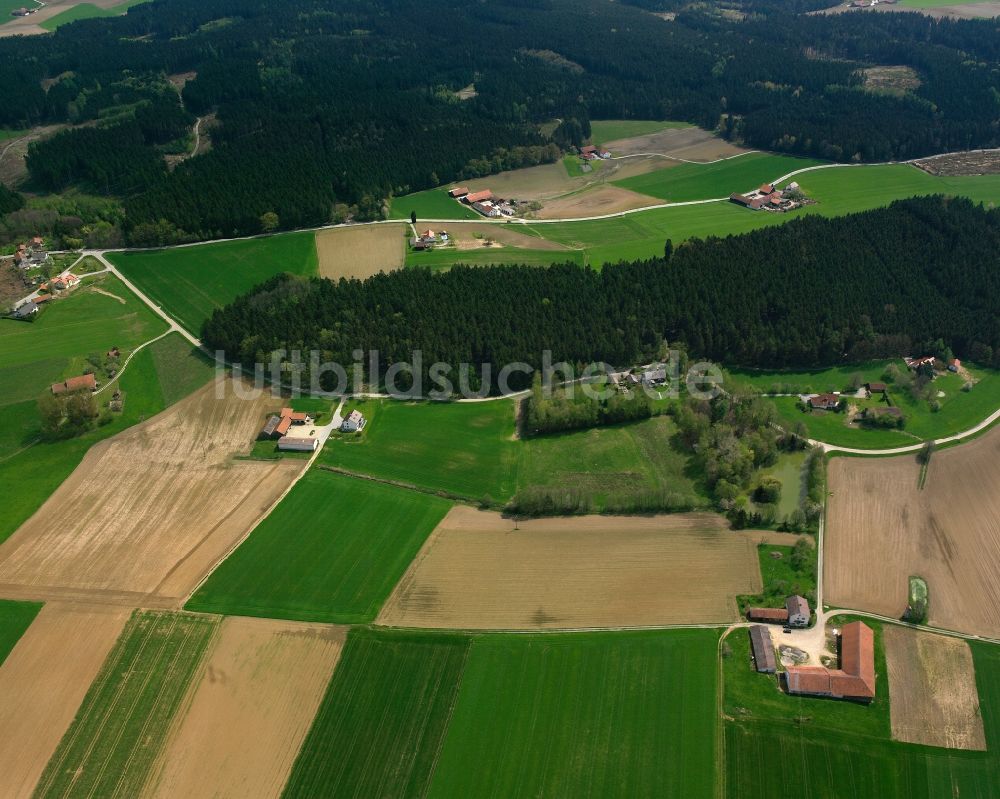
pixel 379 728
pixel 430 204
pixel 447 257
pixel 191 282
pixel 611 465
pixel 584 715
pixel 124 720
pixel 332 551
pixel 463 450
pixel 720 179
pixel 821 748
pixel 15 619
pixel 154 379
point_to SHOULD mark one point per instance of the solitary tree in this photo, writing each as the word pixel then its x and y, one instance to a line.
pixel 269 222
pixel 413 217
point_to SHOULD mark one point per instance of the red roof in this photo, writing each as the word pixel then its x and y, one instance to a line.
pixel 42 298
pixel 75 384
pixel 298 417
pixel 479 196
pixel 855 679
pixel 283 425
pixel 458 191
pixel 767 188
pixel 823 400
pixel 768 614
pixel 590 148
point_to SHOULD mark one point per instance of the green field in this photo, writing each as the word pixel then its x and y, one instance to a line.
pixel 124 720
pixel 446 257
pixel 379 728
pixel 332 551
pixel 31 475
pixel 457 449
pixel 817 748
pixel 789 472
pixel 191 282
pixel 430 204
pixel 720 179
pixel 610 465
pixel 837 191
pixel 15 619
pixel 780 578
pixel 87 11
pixel 587 715
pixel 579 715
pixel 605 130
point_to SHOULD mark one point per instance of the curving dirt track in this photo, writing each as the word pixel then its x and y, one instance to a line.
pixel 477 572
pixel 148 512
pixel 881 529
pixel 248 714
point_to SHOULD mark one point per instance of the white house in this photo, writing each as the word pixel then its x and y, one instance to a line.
pixel 354 422
pixel 798 611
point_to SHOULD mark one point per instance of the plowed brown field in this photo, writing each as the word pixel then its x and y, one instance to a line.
pixel 251 709
pixel 148 512
pixel 881 529
pixel 360 251
pixel 932 690
pixel 42 683
pixel 477 571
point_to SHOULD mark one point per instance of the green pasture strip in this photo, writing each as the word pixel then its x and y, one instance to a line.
pixel 331 551
pixel 379 728
pixel 431 204
pixel 118 732
pixel 605 130
pixel 447 257
pixel 87 11
pixel 15 619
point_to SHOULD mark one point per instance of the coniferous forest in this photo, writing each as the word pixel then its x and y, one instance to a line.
pixel 322 105
pixel 922 274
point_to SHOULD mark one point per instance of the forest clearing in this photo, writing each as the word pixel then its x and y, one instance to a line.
pixel 360 250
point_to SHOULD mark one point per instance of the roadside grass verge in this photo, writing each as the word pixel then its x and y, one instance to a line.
pixel 191 282
pixel 124 720
pixel 32 474
pixel 379 728
pixel 331 551
pixel 447 257
pixel 15 619
pixel 618 714
pixel 461 449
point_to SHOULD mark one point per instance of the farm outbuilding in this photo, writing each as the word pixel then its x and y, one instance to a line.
pixel 81 383
pixel 295 444
pixel 855 679
pixel 763 649
pixel 769 615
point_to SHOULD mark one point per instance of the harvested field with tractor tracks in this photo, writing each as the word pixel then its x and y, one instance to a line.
pixel 881 529
pixel 479 570
pixel 360 251
pixel 149 512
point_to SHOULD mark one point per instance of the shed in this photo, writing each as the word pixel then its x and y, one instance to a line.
pixel 297 444
pixel 763 649
pixel 798 611
pixel 81 383
pixel 769 615
pixel 26 310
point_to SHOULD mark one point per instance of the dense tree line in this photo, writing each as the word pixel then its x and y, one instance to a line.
pixel 557 411
pixel 812 292
pixel 330 103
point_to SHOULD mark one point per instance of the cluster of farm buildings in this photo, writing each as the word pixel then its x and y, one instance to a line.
pixel 651 377
pixel 31 254
pixel 484 202
pixel 853 680
pixel 872 3
pixel 430 239
pixel 770 198
pixel 295 431
pixel 23 11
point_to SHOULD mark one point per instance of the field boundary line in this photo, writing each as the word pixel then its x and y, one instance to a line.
pixel 128 360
